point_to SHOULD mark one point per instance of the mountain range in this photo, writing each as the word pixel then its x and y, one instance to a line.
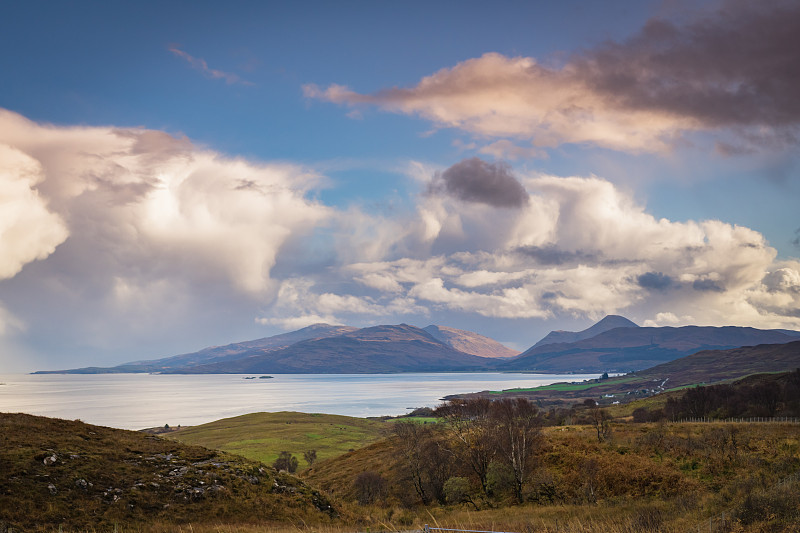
pixel 614 344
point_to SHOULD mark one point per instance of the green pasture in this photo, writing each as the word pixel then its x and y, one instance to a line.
pixel 262 436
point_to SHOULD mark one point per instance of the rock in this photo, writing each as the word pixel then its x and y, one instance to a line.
pixel 52 488
pixel 82 484
pixel 50 459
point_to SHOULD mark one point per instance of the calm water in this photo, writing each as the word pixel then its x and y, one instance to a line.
pixel 135 401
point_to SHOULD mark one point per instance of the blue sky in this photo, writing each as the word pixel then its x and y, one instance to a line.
pixel 188 174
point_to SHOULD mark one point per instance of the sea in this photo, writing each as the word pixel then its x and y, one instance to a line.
pixel 138 401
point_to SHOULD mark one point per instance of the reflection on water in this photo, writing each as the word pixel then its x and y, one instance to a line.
pixel 135 401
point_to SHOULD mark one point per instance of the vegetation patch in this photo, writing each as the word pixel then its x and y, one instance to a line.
pixel 58 474
pixel 263 436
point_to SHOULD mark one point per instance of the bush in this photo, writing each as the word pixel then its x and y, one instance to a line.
pixel 370 487
pixel 286 461
pixel 456 490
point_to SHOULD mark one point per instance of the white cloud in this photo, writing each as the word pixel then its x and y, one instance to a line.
pixel 148 202
pixel 28 229
pixel 136 237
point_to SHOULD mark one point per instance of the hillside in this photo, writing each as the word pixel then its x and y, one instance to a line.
pixel 608 323
pixel 377 349
pixel 628 348
pixel 470 342
pixel 262 436
pixel 58 473
pixel 706 367
pixel 216 354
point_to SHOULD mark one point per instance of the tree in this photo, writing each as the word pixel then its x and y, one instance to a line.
pixel 286 461
pixel 310 456
pixel 412 438
pixel 470 424
pixel 456 490
pixel 370 487
pixel 518 437
pixel 601 421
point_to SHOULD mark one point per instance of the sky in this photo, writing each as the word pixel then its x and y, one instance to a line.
pixel 175 175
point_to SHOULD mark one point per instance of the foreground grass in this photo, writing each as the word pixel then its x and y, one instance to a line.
pixel 262 436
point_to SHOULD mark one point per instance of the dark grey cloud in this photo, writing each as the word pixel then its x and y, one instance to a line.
pixel 552 255
pixel 654 280
pixel 475 180
pixel 706 285
pixel 736 66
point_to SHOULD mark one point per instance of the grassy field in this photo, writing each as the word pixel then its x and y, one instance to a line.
pixel 262 436
pixel 562 387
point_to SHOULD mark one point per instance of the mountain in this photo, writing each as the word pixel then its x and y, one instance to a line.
pixel 704 367
pixel 377 349
pixel 470 342
pixel 216 354
pixel 711 366
pixel 628 348
pixel 237 350
pixel 608 323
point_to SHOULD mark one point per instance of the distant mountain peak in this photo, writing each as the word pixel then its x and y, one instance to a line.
pixel 607 323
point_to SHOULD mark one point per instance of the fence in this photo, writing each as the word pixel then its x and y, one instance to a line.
pixel 428 529
pixel 744 420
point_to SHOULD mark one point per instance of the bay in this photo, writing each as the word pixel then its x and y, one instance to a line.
pixel 136 401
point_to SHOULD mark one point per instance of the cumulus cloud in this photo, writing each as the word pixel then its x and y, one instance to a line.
pixel 735 68
pixel 139 227
pixel 135 237
pixel 578 247
pixel 28 229
pixel 475 180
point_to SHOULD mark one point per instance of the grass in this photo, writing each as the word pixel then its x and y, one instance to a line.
pixel 79 477
pixel 562 387
pixel 262 436
pixel 645 478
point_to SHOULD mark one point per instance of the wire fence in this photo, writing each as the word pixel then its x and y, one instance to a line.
pixel 742 420
pixel 427 529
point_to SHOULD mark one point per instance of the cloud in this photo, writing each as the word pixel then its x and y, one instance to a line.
pixel 579 247
pixel 28 229
pixel 139 233
pixel 200 64
pixel 138 242
pixel 654 280
pixel 475 180
pixel 734 70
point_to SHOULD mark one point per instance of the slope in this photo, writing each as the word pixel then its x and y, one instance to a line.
pixel 378 349
pixel 608 323
pixel 214 354
pixel 470 342
pixel 59 473
pixel 625 349
pixel 704 367
pixel 262 436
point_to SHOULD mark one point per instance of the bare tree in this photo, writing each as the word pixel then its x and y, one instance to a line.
pixel 469 421
pixel 518 437
pixel 370 487
pixel 601 421
pixel 412 438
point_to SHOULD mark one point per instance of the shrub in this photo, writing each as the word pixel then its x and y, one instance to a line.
pixel 370 487
pixel 286 461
